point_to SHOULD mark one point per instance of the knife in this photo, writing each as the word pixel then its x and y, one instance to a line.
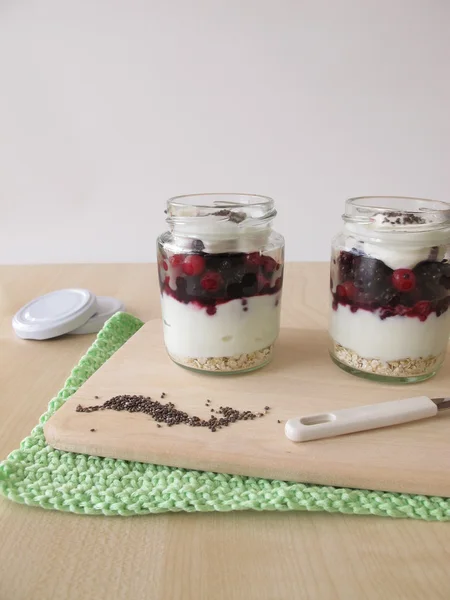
pixel 363 418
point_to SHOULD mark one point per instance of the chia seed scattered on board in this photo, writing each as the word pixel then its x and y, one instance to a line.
pixel 167 413
pixel 93 430
pixel 399 218
pixel 96 397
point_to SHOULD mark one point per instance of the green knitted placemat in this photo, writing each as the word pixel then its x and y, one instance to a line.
pixel 38 475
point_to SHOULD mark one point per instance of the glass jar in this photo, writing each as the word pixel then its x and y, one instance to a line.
pixel 390 288
pixel 220 270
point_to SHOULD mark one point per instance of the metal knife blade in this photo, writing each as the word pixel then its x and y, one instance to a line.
pixel 441 403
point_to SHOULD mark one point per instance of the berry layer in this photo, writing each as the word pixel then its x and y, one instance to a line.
pixel 396 338
pixel 364 283
pixel 238 326
pixel 209 280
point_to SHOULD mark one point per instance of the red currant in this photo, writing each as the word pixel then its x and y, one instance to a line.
pixel 211 281
pixel 404 280
pixel 176 260
pixel 193 264
pixel 423 309
pixel 346 290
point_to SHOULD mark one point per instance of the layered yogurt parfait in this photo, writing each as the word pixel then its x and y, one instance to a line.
pixel 390 288
pixel 221 273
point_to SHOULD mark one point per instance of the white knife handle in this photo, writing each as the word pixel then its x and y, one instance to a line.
pixel 360 418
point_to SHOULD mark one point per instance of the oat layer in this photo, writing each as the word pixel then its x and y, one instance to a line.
pixel 407 367
pixel 228 364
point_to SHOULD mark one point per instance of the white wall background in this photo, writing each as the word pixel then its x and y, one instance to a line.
pixel 109 107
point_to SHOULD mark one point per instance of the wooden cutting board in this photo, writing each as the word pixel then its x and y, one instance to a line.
pixel 301 380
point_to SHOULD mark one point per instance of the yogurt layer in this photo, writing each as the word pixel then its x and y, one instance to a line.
pixel 190 332
pixel 394 338
pixel 399 247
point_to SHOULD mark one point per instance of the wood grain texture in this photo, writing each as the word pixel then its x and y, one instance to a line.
pixel 301 380
pixel 235 556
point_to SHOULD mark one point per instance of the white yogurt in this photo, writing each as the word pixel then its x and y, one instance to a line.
pixel 190 332
pixel 394 338
pixel 399 247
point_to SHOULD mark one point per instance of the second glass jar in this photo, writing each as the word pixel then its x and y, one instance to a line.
pixel 390 288
pixel 220 269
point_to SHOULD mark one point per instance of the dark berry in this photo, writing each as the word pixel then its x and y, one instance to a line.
pixel 389 297
pixel 254 258
pixel 211 310
pixel 345 263
pixel 249 279
pixel 234 290
pixel 445 282
pixel 346 258
pixel 442 306
pixel 198 245
pixel 428 279
pixel 250 284
pixel 370 275
pixel 193 264
pixel 176 260
pixel 225 264
pixel 215 262
pixel 211 281
pixel 181 283
pixel 269 264
pixel 404 280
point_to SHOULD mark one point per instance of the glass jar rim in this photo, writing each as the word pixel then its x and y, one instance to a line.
pixel 364 209
pixel 235 207
pixel 211 200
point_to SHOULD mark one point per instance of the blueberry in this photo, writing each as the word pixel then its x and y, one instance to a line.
pixel 197 245
pixel 249 284
pixel 235 275
pixel 229 260
pixel 225 264
pixel 444 281
pixel 371 276
pixel 345 263
pixel 234 290
pixel 181 283
pixel 389 297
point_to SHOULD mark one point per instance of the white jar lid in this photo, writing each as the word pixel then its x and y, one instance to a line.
pixel 106 308
pixel 54 314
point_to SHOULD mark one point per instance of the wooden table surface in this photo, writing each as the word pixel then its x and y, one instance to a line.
pixel 47 555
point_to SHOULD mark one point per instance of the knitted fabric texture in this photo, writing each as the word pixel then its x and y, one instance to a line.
pixel 38 475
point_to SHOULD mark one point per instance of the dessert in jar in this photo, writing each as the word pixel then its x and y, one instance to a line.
pixel 220 270
pixel 390 288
